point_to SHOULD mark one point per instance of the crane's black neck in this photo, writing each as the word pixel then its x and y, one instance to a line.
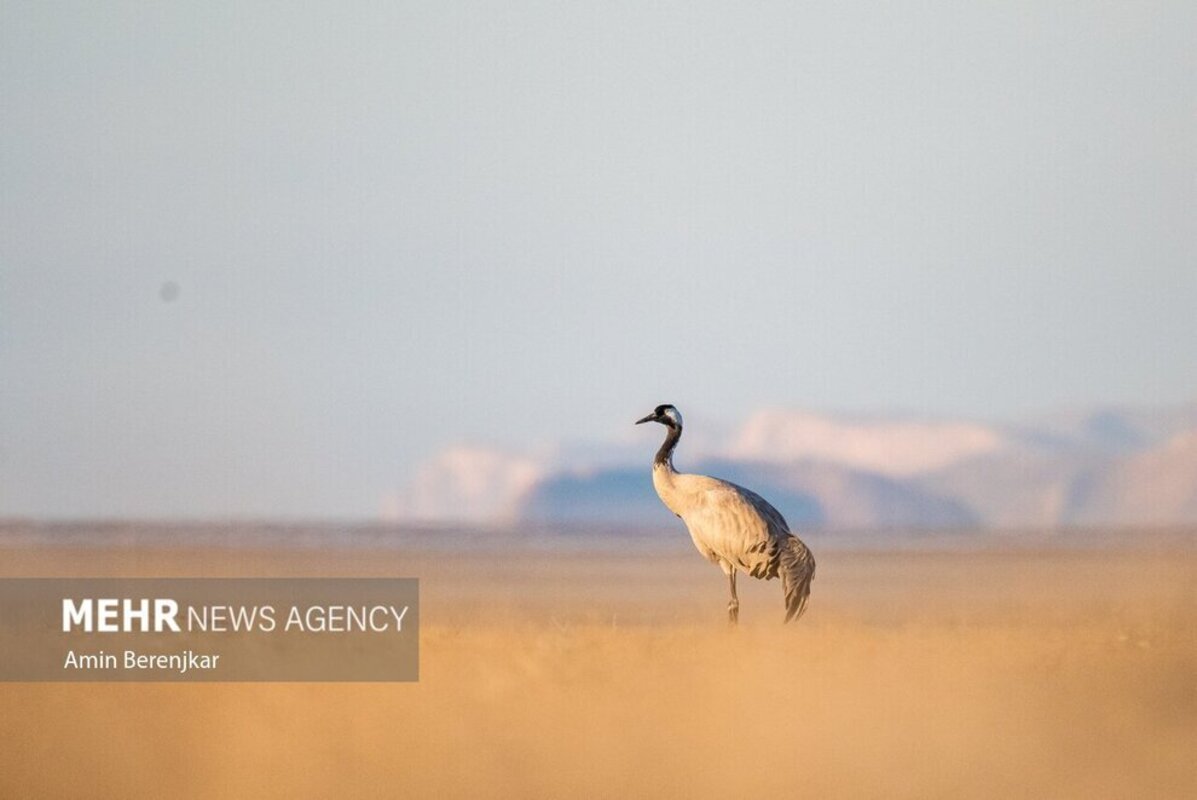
pixel 665 454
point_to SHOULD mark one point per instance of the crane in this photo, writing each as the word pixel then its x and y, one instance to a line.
pixel 730 525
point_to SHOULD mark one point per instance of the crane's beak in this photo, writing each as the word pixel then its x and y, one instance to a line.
pixel 650 418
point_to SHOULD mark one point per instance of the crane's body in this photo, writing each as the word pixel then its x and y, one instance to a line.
pixel 732 526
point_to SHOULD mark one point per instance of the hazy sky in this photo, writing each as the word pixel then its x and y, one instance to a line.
pixel 398 226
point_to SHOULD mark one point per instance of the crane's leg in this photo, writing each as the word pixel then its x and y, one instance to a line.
pixel 733 605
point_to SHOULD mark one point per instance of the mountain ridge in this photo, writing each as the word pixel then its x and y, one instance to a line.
pixel 1106 465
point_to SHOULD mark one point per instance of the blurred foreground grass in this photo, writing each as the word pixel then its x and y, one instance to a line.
pixel 919 674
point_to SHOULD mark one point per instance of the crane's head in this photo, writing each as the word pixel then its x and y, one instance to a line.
pixel 667 415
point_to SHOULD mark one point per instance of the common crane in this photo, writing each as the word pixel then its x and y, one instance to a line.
pixel 731 526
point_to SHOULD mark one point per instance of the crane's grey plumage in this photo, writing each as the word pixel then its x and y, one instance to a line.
pixel 732 526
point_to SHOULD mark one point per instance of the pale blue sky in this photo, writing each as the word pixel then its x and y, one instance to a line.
pixel 397 226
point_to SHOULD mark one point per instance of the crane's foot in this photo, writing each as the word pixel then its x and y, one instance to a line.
pixel 733 612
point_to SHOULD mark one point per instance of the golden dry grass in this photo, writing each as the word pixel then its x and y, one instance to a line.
pixel 966 674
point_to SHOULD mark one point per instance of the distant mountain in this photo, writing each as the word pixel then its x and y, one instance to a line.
pixel 1116 428
pixel 1156 487
pixel 1021 487
pixel 1105 466
pixel 890 447
pixel 475 484
pixel 626 495
pixel 620 495
pixel 1111 466
pixel 808 494
pixel 844 497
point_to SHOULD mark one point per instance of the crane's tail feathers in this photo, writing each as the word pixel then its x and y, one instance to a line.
pixel 796 565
